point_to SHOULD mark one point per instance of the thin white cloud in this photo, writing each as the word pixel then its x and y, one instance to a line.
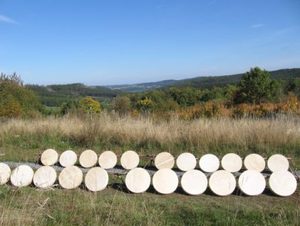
pixel 6 19
pixel 257 25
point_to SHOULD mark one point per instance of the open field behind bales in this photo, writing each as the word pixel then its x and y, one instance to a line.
pixel 25 139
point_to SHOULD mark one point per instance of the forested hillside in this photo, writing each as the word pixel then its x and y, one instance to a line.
pixel 55 95
pixel 256 93
pixel 205 81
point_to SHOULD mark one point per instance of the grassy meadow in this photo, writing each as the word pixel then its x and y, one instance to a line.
pixel 25 139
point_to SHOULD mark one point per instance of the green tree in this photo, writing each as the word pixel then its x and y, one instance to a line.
pixel 89 105
pixel 71 106
pixel 255 87
pixel 15 99
pixel 121 104
pixel 186 96
pixel 293 86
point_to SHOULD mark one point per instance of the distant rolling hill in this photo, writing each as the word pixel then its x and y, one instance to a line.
pixel 204 81
pixel 140 87
pixel 55 95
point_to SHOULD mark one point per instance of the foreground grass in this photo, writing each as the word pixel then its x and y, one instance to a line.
pixel 24 140
pixel 113 206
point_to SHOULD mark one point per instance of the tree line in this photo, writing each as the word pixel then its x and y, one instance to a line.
pixel 256 94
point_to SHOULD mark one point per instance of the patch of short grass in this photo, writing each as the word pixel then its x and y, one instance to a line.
pixel 30 206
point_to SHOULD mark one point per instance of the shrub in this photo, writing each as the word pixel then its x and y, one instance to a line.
pixel 145 104
pixel 15 99
pixel 89 105
pixel 121 104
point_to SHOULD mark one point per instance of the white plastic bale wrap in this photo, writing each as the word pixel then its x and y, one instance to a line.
pixel 194 182
pixel 70 177
pixel 186 161
pixel 232 162
pixel 130 159
pixel 164 160
pixel 165 181
pixel 68 158
pixel 88 158
pixel 209 163
pixel 5 173
pixel 49 157
pixel 22 176
pixel 138 180
pixel 44 177
pixel 252 182
pixel 96 179
pixel 222 183
pixel 108 160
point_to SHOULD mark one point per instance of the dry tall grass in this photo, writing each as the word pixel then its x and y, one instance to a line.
pixel 200 135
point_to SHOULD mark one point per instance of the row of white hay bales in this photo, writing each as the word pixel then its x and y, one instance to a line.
pixel 164 181
pixel 186 161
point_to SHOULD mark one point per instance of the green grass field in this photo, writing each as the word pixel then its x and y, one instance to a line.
pixel 114 206
pixel 24 140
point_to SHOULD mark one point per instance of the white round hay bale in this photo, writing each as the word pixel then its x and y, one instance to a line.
pixel 254 162
pixel 108 160
pixel 252 182
pixel 209 163
pixel 4 173
pixel 96 179
pixel 138 180
pixel 22 176
pixel 278 162
pixel 49 157
pixel 165 181
pixel 194 182
pixel 222 183
pixel 88 159
pixel 186 161
pixel 283 183
pixel 44 177
pixel 70 177
pixel 68 158
pixel 130 159
pixel 232 162
pixel 164 160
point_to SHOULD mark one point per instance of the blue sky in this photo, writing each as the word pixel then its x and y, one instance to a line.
pixel 131 41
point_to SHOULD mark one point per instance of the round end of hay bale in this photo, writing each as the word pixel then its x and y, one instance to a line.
pixel 70 177
pixel 278 162
pixel 130 159
pixel 68 158
pixel 88 159
pixel 165 181
pixel 96 179
pixel 108 160
pixel 194 182
pixel 209 163
pixel 232 162
pixel 22 176
pixel 44 177
pixel 283 183
pixel 252 182
pixel 186 161
pixel 222 183
pixel 5 173
pixel 138 180
pixel 164 160
pixel 49 157
pixel 254 162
